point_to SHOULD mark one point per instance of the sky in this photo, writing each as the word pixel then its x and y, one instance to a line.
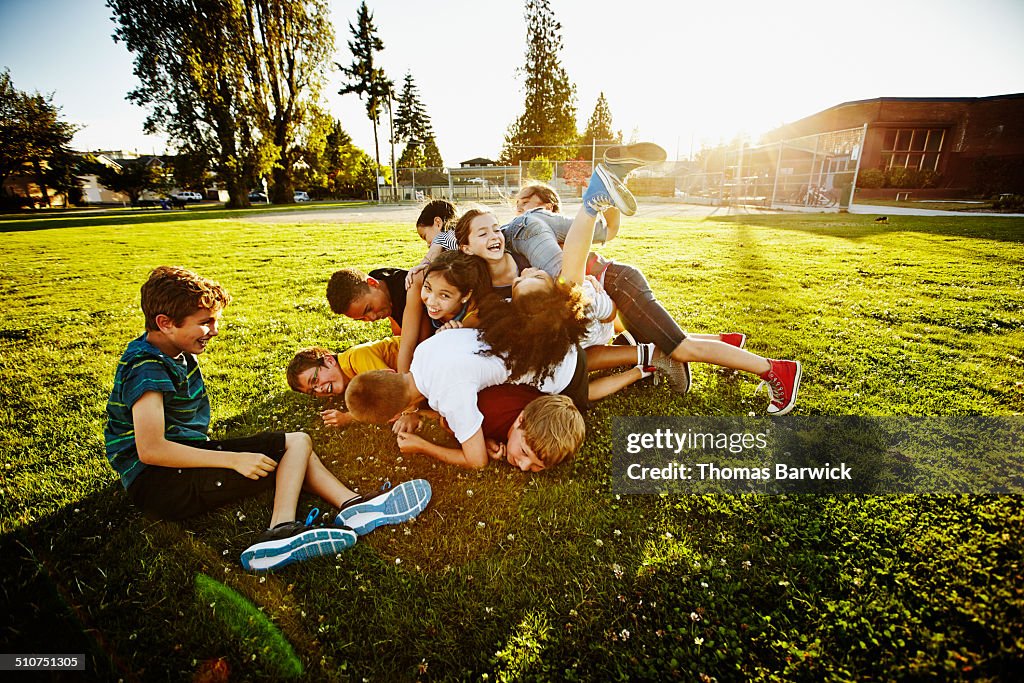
pixel 677 72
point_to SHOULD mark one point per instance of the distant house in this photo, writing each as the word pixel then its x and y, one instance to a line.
pixel 479 161
pixel 957 137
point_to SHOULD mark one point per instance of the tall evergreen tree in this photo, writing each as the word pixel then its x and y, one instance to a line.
pixel 547 126
pixel 413 127
pixel 365 78
pixel 599 134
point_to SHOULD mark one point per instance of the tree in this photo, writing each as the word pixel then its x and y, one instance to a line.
pixel 31 132
pixel 599 130
pixel 129 176
pixel 413 127
pixel 547 125
pixel 366 79
pixel 288 44
pixel 577 174
pixel 232 79
pixel 540 168
pixel 347 170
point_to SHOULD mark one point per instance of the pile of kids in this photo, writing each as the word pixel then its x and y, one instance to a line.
pixel 496 332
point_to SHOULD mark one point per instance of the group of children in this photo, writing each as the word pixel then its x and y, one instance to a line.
pixel 495 333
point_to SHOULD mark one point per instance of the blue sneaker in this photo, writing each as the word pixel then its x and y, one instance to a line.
pixel 621 160
pixel 606 191
pixel 290 542
pixel 389 506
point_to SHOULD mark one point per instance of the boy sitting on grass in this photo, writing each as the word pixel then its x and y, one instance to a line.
pixel 158 416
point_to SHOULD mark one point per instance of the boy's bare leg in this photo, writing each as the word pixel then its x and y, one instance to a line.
pixel 299 469
pixel 697 350
pixel 321 482
pixel 601 387
pixel 291 471
pixel 607 357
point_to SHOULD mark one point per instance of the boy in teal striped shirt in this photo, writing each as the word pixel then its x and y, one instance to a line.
pixel 158 416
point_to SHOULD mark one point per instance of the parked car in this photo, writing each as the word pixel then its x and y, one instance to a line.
pixel 257 197
pixel 188 196
pixel 301 196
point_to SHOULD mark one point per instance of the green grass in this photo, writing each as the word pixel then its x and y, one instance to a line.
pixel 948 205
pixel 513 576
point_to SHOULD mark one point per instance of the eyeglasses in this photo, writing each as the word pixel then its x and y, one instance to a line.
pixel 313 388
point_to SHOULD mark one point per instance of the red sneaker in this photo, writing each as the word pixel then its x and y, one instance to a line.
pixel 783 382
pixel 737 339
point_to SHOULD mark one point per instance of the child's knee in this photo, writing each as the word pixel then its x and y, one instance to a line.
pixel 687 351
pixel 298 441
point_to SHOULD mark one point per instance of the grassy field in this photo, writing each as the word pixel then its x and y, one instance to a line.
pixel 509 576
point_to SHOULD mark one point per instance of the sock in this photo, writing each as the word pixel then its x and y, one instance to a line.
pixel 645 359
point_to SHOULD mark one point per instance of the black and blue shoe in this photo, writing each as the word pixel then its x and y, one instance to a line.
pixel 290 542
pixel 395 505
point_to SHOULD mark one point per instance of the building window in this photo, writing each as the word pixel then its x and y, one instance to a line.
pixel 912 148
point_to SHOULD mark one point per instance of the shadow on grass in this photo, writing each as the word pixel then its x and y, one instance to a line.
pixel 857 226
pixel 23 223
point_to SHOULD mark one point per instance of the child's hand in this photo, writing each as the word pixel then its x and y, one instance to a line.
pixel 450 325
pixel 407 422
pixel 598 287
pixel 495 449
pixel 412 273
pixel 252 465
pixel 411 443
pixel 336 418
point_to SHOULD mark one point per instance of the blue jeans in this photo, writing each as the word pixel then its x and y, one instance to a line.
pixel 640 310
pixel 533 237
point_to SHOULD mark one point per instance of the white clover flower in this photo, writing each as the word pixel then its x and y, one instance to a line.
pixel 599 543
pixel 398 560
pixel 469 492
pixel 703 584
pixel 617 532
pixel 783 583
pixel 698 641
pixel 694 616
pixel 624 634
pixel 481 525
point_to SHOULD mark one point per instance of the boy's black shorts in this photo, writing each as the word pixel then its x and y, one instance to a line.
pixel 177 493
pixel 579 386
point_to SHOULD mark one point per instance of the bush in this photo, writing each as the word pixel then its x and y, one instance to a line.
pixel 871 179
pixel 540 169
pixel 1010 202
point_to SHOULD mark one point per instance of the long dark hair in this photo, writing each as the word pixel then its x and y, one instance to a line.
pixel 534 332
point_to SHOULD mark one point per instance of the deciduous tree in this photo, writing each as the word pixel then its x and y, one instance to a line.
pixel 31 132
pixel 547 125
pixel 233 79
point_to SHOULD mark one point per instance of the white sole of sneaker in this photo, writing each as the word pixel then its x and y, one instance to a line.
pixel 792 399
pixel 621 196
pixel 398 505
pixel 304 546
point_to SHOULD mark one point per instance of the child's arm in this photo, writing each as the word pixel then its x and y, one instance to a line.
pixel 433 252
pixel 611 217
pixel 577 247
pixel 154 449
pixel 473 454
pixel 413 323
